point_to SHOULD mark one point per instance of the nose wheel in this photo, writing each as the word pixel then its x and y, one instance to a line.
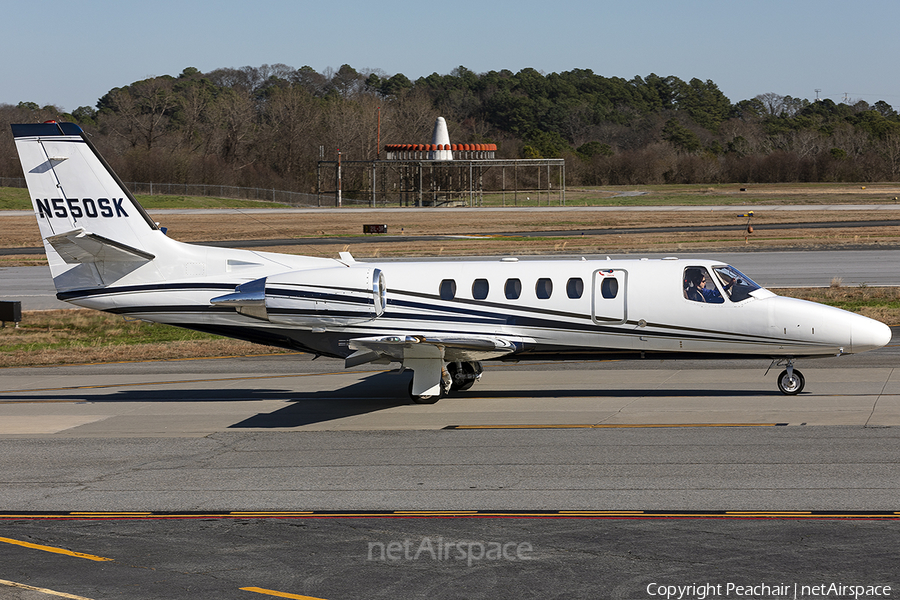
pixel 791 381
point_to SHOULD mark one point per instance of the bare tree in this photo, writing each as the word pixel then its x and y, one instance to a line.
pixel 290 115
pixel 773 103
pixel 806 143
pixel 143 110
pixel 890 151
pixel 851 140
pixel 411 120
pixel 194 104
pixel 235 115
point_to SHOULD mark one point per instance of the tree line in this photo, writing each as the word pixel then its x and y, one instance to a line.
pixel 268 126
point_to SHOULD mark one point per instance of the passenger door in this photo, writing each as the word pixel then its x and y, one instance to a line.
pixel 609 306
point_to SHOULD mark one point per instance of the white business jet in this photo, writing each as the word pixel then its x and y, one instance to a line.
pixel 439 319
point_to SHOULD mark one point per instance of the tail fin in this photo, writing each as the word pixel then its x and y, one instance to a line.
pixel 85 213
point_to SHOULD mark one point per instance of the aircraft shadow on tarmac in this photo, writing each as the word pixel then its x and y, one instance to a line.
pixel 386 390
pixel 165 396
pixel 371 394
pixel 622 393
pixel 376 392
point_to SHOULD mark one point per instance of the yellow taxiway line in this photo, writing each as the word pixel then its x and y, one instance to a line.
pixel 53 549
pixel 278 594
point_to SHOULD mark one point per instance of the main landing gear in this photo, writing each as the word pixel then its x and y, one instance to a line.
pixel 790 381
pixel 457 376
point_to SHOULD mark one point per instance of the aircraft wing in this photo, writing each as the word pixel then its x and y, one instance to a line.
pixel 408 348
pixel 79 246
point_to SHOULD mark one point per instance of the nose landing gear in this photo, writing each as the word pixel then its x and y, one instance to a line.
pixel 790 381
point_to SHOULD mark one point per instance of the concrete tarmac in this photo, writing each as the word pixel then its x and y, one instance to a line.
pixel 623 480
pixel 244 434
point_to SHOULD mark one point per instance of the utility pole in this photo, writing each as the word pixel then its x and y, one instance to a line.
pixel 339 179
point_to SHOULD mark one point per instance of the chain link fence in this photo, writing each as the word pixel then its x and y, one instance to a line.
pixel 218 191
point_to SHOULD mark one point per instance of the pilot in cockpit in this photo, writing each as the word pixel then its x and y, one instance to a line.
pixel 695 289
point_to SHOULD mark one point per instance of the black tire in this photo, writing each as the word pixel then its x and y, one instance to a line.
pixel 423 399
pixel 469 370
pixel 791 386
pixel 466 385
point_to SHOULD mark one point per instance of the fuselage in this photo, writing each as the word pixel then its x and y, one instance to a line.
pixel 550 309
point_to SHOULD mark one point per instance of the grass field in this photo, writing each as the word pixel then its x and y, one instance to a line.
pixel 645 195
pixel 17 199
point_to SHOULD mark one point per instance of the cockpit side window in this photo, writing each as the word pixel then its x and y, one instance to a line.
pixel 737 286
pixel 698 286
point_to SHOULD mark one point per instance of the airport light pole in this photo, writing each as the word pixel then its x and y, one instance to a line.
pixel 339 179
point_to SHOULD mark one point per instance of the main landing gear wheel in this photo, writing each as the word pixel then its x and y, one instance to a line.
pixel 424 399
pixel 432 398
pixel 791 383
pixel 464 375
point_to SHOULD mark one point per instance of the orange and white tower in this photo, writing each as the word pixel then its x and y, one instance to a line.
pixel 440 148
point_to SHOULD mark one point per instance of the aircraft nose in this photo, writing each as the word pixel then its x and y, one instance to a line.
pixel 869 334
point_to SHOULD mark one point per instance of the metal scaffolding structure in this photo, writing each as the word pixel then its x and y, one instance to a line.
pixel 422 182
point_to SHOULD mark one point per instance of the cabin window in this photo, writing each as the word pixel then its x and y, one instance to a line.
pixel 480 289
pixel 609 287
pixel 448 289
pixel 698 286
pixel 574 288
pixel 543 288
pixel 513 289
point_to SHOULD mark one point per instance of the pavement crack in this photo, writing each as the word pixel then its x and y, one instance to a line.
pixel 878 397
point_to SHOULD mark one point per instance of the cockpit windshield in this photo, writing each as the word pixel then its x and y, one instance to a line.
pixel 737 286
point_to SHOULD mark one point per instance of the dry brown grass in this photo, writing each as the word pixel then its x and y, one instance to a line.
pixel 23 232
pixel 80 336
pixel 134 353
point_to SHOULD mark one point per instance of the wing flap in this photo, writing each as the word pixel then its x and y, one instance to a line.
pixel 414 347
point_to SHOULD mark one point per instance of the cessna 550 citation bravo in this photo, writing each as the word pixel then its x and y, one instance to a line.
pixel 439 319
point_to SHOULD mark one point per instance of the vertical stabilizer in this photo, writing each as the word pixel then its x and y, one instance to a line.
pixel 441 140
pixel 94 230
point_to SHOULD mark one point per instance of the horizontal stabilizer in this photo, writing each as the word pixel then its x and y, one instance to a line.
pixel 79 246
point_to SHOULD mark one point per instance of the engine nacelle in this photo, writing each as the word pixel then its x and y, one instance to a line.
pixel 334 296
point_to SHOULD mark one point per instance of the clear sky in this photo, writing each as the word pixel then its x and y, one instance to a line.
pixel 72 53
